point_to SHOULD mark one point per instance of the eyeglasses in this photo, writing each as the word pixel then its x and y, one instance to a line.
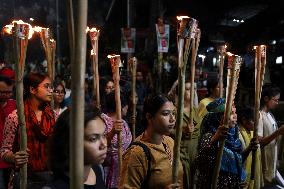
pixel 47 86
pixel 59 92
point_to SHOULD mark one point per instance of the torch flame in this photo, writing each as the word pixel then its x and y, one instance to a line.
pixel 230 54
pixel 92 52
pixel 181 17
pixel 39 29
pixel 112 55
pixel 8 28
pixel 91 30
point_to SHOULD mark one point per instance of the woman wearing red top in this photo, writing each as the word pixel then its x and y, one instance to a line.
pixel 39 124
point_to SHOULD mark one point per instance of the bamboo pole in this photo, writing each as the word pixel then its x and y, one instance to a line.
pixel 71 32
pixel 186 26
pixel 129 25
pixel 94 36
pixel 53 54
pixel 231 86
pixel 222 53
pixel 260 62
pixel 133 68
pixel 77 96
pixel 115 63
pixel 20 43
pixel 160 72
pixel 45 39
pixel 195 42
pixel 49 48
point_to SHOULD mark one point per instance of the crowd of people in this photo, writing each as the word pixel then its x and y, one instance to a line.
pixel 147 159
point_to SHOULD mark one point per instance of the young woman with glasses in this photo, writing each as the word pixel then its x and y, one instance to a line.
pixel 58 97
pixel 40 121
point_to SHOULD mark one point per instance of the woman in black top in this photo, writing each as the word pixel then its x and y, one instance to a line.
pixel 95 149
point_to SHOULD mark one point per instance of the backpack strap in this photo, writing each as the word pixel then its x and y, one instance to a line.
pixel 147 152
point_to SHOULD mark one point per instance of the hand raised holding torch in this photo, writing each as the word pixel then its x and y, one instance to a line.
pixel 115 63
pixel 234 63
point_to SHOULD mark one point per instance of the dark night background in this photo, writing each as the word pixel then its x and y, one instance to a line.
pixel 263 24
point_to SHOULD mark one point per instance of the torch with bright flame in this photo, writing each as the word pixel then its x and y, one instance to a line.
pixel 260 63
pixel 21 32
pixel 234 65
pixel 94 36
pixel 49 46
pixel 186 31
pixel 115 64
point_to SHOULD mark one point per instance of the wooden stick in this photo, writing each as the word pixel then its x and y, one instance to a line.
pixel 20 49
pixel 195 42
pixel 133 66
pixel 49 51
pixel 160 72
pixel 53 53
pixel 71 32
pixel 45 39
pixel 222 51
pixel 94 36
pixel 78 101
pixel 115 63
pixel 186 27
pixel 260 62
pixel 232 75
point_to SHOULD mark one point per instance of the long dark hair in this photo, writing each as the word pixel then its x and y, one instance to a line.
pixel 152 105
pixel 59 143
pixel 211 85
pixel 110 105
pixel 32 80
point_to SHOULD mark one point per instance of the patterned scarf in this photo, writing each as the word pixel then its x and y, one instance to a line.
pixel 232 159
pixel 37 134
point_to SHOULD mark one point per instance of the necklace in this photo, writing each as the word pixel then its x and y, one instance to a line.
pixel 168 152
pixel 166 148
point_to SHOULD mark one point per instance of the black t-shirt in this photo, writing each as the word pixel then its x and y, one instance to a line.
pixel 63 181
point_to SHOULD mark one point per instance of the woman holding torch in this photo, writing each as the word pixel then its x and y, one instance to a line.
pixel 268 134
pixel 39 119
pixel 148 163
pixel 190 134
pixel 232 172
pixel 114 126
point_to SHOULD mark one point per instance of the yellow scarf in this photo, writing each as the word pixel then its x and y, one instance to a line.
pixel 247 136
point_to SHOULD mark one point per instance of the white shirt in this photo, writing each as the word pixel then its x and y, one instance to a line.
pixel 267 126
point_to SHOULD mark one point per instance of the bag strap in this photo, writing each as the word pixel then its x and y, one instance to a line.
pixel 147 152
